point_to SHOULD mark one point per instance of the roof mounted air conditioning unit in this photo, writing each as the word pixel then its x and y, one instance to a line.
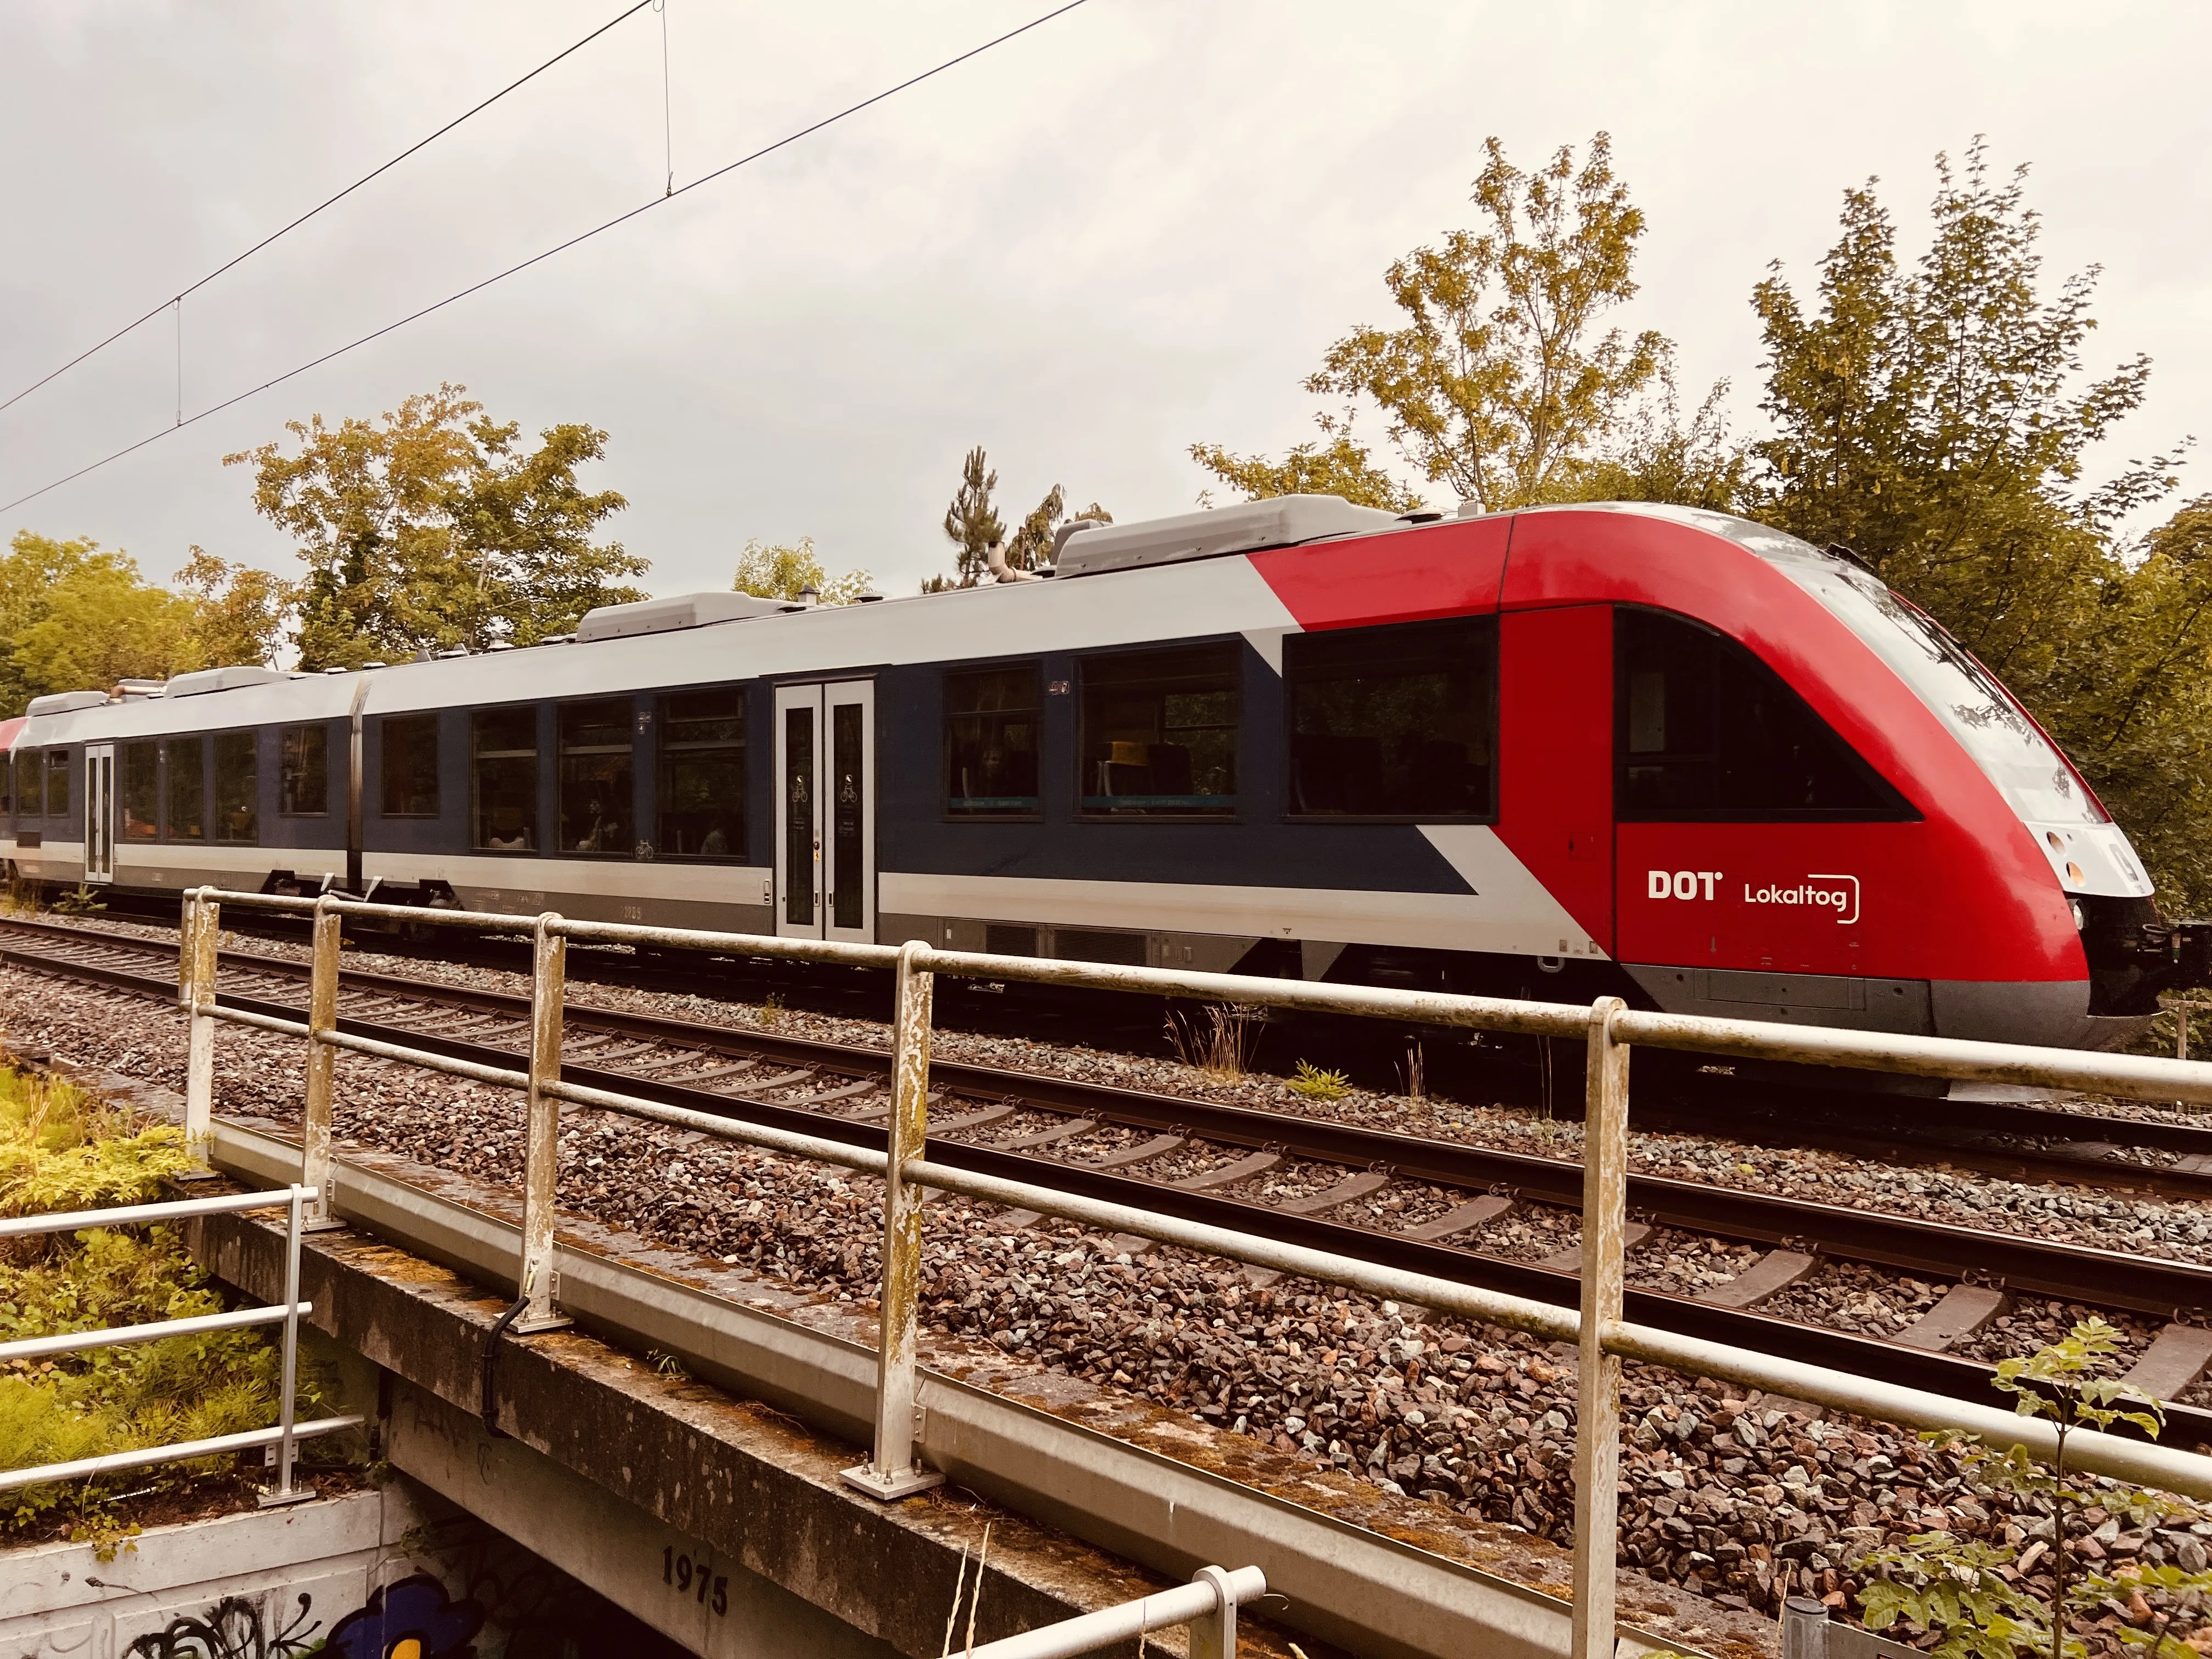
pixel 65 703
pixel 1279 521
pixel 619 622
pixel 203 680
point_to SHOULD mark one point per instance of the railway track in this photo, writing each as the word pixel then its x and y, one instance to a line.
pixel 1100 1141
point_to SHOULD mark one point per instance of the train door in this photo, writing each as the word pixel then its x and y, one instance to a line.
pixel 825 811
pixel 100 811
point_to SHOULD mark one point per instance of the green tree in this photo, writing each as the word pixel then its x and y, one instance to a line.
pixel 242 610
pixel 973 524
pixel 1937 418
pixel 1340 467
pixel 776 571
pixel 76 616
pixel 1498 383
pixel 435 528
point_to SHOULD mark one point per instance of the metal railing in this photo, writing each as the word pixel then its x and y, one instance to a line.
pixel 1608 1028
pixel 283 1435
pixel 1207 1605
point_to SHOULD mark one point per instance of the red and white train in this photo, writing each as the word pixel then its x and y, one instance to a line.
pixel 1558 752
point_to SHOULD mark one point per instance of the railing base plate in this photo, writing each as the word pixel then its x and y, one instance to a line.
pixel 278 1500
pixel 527 1326
pixel 890 1487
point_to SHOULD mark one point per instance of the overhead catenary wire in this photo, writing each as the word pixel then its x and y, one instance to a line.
pixel 232 264
pixel 784 142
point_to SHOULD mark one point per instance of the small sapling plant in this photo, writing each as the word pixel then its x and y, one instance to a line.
pixel 1982 1598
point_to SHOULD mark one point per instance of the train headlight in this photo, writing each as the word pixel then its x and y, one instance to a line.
pixel 2075 906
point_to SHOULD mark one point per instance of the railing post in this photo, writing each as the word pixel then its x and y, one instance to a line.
pixel 322 1067
pixel 2181 1030
pixel 1804 1628
pixel 284 1491
pixel 1213 1635
pixel 541 1170
pixel 890 1471
pixel 195 976
pixel 1597 1401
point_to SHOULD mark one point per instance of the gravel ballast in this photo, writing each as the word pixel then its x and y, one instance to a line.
pixel 1728 1496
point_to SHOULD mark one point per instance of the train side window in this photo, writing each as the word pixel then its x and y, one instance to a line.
pixel 1704 731
pixel 703 774
pixel 503 752
pixel 991 723
pixel 183 760
pixel 596 770
pixel 1393 722
pixel 1159 732
pixel 142 791
pixel 237 788
pixel 303 772
pixel 30 772
pixel 58 776
pixel 411 765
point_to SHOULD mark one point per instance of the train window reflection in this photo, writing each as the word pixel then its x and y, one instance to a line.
pixel 596 789
pixel 991 719
pixel 1159 732
pixel 142 791
pixel 237 788
pixel 29 770
pixel 411 765
pixel 57 780
pixel 1393 722
pixel 703 774
pixel 1705 732
pixel 503 756
pixel 303 778
pixel 183 760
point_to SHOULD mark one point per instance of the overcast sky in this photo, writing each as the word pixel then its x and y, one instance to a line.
pixel 1133 228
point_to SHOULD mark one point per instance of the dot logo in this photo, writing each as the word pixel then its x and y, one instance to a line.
pixel 1679 883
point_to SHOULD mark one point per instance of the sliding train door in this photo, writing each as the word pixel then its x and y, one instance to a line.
pixel 825 811
pixel 99 812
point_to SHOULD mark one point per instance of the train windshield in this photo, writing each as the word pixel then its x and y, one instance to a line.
pixel 2011 751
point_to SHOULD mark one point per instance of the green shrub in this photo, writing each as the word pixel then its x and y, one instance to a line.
pixel 63 1149
pixel 1309 1082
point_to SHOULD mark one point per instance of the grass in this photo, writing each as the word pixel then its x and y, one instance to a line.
pixel 63 1149
pixel 1310 1082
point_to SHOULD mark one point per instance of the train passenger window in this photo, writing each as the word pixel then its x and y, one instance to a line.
pixel 1705 730
pixel 237 788
pixel 703 774
pixel 29 767
pixel 183 760
pixel 303 776
pixel 991 722
pixel 596 793
pixel 58 774
pixel 1159 732
pixel 142 791
pixel 411 765
pixel 503 752
pixel 1393 722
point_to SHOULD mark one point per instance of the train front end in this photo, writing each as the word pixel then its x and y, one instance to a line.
pixel 1950 871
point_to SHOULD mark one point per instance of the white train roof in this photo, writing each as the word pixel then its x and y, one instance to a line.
pixel 1190 585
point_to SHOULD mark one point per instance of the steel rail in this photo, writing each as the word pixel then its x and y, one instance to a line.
pixel 1945 1251
pixel 2075 1271
pixel 2097 1277
pixel 1994 1117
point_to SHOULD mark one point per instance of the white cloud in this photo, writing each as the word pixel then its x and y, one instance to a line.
pixel 1136 228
